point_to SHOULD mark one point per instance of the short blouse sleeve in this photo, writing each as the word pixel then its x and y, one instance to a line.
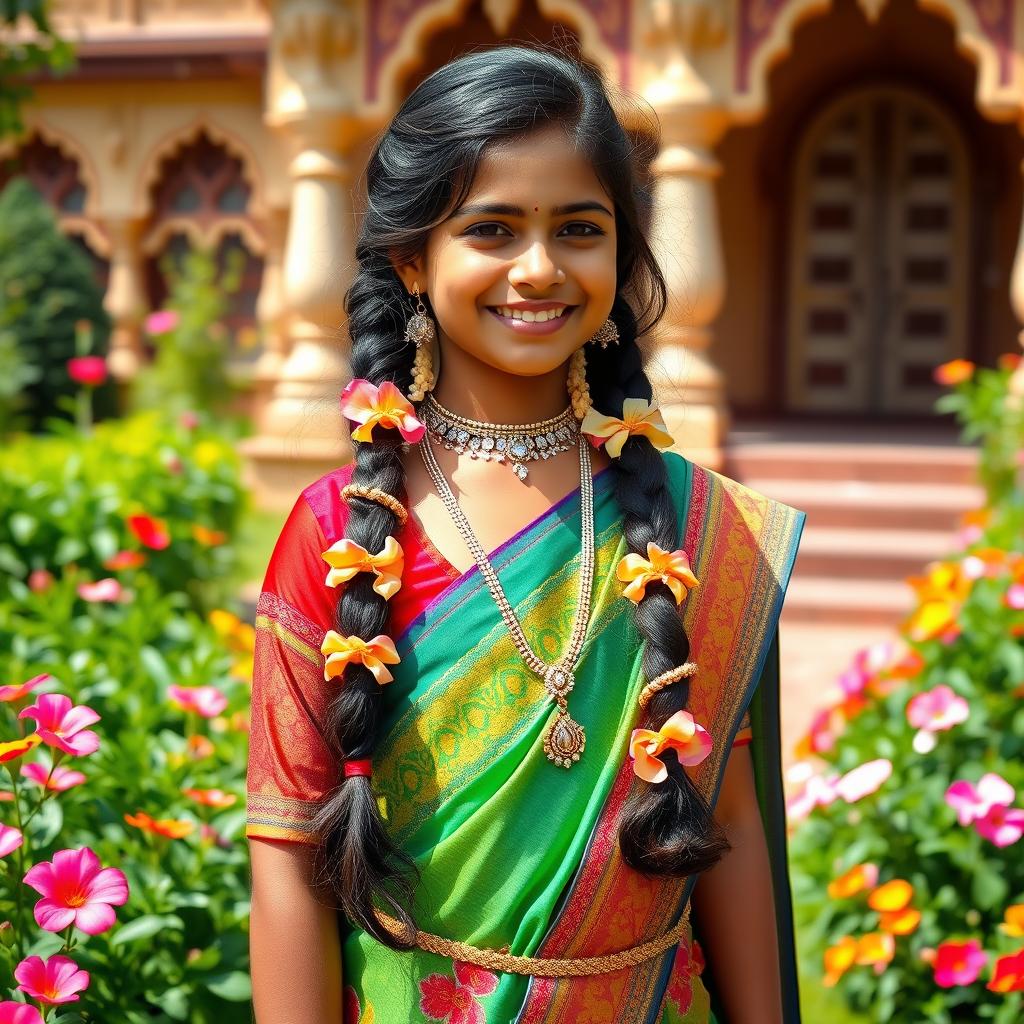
pixel 745 734
pixel 291 767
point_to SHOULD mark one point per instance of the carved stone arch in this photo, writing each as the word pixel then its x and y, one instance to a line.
pixel 169 145
pixel 69 147
pixel 983 30
pixel 385 79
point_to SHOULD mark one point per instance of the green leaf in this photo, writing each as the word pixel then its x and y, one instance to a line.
pixel 988 888
pixel 146 926
pixel 68 549
pixel 23 526
pixel 234 986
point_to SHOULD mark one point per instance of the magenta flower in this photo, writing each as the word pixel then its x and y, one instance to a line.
pixel 77 891
pixel 161 321
pixel 56 980
pixel 57 778
pixel 63 726
pixel 866 664
pixel 1001 825
pixel 1014 596
pixel 207 701
pixel 89 371
pixel 937 710
pixel 10 839
pixel 19 1013
pixel 108 589
pixel 864 780
pixel 21 689
pixel 972 803
pixel 958 963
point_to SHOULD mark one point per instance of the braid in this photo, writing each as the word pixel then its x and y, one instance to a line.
pixel 356 857
pixel 667 829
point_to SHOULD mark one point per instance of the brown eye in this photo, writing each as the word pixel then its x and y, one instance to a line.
pixel 582 229
pixel 491 229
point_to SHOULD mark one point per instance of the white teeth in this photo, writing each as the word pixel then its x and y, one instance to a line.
pixel 530 316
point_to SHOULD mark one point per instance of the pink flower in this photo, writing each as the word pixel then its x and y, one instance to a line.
pixel 818 791
pixel 10 839
pixel 57 778
pixel 864 780
pixel 937 710
pixel 189 420
pixel 454 1000
pixel 89 371
pixel 386 407
pixel 1001 825
pixel 161 321
pixel 63 726
pixel 1014 596
pixel 77 891
pixel 150 532
pixel 866 664
pixel 21 689
pixel 56 980
pixel 19 1013
pixel 39 581
pixel 822 734
pixel 972 803
pixel 958 963
pixel 108 589
pixel 207 701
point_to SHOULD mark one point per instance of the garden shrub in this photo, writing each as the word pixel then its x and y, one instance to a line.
pixel 908 861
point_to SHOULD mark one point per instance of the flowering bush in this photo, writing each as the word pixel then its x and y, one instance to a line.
pixel 908 859
pixel 125 750
pixel 135 494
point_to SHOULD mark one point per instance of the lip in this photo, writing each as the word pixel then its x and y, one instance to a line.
pixel 522 327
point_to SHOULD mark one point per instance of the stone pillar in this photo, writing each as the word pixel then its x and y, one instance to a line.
pixel 125 300
pixel 312 83
pixel 1017 301
pixel 272 314
pixel 684 227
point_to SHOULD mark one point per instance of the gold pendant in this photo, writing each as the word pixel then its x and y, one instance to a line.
pixel 564 740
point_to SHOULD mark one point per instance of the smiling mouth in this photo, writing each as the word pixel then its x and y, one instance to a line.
pixel 532 316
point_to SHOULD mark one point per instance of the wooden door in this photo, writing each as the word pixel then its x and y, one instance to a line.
pixel 878 255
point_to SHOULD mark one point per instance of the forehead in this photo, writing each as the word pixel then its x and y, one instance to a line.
pixel 543 169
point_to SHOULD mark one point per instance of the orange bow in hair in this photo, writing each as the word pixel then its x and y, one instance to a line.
pixel 374 654
pixel 386 406
pixel 638 417
pixel 669 567
pixel 347 559
pixel 690 741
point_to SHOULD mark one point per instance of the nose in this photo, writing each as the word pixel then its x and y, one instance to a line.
pixel 535 268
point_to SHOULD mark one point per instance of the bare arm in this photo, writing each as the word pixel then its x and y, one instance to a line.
pixel 735 909
pixel 293 939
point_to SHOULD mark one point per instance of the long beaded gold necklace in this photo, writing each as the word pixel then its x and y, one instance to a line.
pixel 564 739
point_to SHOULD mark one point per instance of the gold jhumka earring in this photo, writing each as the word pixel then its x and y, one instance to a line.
pixel 420 331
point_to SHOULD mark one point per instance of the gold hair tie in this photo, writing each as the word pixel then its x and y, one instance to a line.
pixel 673 675
pixel 389 501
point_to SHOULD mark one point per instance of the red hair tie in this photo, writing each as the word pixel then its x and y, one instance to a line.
pixel 357 768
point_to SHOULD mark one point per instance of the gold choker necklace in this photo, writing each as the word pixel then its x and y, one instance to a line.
pixel 511 443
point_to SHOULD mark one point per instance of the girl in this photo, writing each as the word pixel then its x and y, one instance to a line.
pixel 504 660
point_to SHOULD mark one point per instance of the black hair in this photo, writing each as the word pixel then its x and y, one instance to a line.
pixel 420 171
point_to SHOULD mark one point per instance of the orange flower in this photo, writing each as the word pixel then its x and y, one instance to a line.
pixel 386 407
pixel 900 922
pixel 876 949
pixel 1009 361
pixel 1008 973
pixel 211 797
pixel 639 417
pixel 839 959
pixel 17 748
pixel 894 895
pixel 956 371
pixel 857 879
pixel 940 593
pixel 347 559
pixel 207 537
pixel 691 742
pixel 171 828
pixel 669 567
pixel 1013 921
pixel 374 654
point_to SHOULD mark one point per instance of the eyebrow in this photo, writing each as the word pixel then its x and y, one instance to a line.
pixel 508 210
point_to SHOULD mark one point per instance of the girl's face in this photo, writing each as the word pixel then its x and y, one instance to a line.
pixel 523 273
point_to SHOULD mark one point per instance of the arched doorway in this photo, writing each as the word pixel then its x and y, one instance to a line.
pixel 880 194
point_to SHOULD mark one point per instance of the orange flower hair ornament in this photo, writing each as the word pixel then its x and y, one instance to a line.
pixel 690 741
pixel 347 559
pixel 386 406
pixel 669 567
pixel 639 417
pixel 375 654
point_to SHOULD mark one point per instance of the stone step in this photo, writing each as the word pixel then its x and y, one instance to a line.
pixel 895 463
pixel 847 602
pixel 874 504
pixel 848 554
